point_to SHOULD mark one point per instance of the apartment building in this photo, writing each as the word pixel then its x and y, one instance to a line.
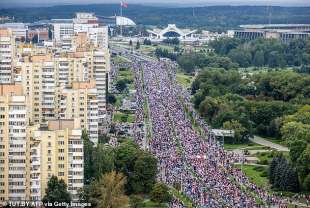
pixel 80 101
pixel 7 45
pixel 38 80
pixel 13 141
pixel 30 154
pixel 101 68
pixel 56 150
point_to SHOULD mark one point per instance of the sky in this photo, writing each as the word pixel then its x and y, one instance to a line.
pixel 176 3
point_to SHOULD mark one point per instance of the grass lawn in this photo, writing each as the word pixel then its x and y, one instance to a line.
pixel 184 199
pixel 150 204
pixel 125 74
pixel 147 48
pixel 120 59
pixel 122 117
pixel 267 156
pixel 254 174
pixel 184 80
pixel 276 141
pixel 248 146
pixel 119 99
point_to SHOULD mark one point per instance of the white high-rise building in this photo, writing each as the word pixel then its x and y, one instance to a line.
pixel 7 45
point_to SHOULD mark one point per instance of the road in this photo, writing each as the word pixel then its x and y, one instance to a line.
pixel 264 142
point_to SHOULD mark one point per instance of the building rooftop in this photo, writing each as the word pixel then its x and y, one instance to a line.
pixel 11 89
pixel 63 124
pixel 274 26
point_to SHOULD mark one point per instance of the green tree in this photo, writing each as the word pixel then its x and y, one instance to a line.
pixel 103 160
pixel 258 59
pixel 237 127
pixel 160 193
pixel 296 149
pixel 111 99
pixel 138 45
pixel 144 173
pixel 121 85
pixel 306 183
pixel 56 191
pixel 126 155
pixel 109 191
pixel 136 201
pixel 242 57
pixel 130 42
pixel 88 151
pixel 303 163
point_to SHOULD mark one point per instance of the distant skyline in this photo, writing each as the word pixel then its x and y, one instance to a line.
pixel 170 3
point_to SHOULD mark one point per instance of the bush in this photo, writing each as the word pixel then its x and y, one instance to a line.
pixel 136 201
pixel 264 173
pixel 259 168
pixel 263 162
pixel 160 193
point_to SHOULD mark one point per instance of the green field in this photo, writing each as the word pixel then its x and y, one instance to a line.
pixel 184 80
pixel 249 146
pixel 254 174
pixel 151 204
pixel 120 59
pixel 123 117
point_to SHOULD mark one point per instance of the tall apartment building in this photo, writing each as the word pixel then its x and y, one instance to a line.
pixel 71 67
pixel 80 101
pixel 7 45
pixel 13 141
pixel 38 80
pixel 56 150
pixel 101 68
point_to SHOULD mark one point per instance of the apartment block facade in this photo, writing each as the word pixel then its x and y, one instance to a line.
pixel 80 101
pixel 7 46
pixel 56 150
pixel 13 142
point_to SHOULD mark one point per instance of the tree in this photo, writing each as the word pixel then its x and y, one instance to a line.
pixel 144 173
pixel 111 99
pixel 130 42
pixel 147 42
pixel 242 57
pixel 88 150
pixel 103 160
pixel 306 183
pixel 240 131
pixel 56 191
pixel 160 193
pixel 109 191
pixel 282 175
pixel 296 149
pixel 186 63
pixel 272 168
pixel 258 59
pixel 121 85
pixel 126 155
pixel 136 201
pixel 303 163
pixel 138 45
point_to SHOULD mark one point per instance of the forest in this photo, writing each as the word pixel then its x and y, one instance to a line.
pixel 260 88
pixel 215 18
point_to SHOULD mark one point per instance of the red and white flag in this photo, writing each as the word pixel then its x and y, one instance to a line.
pixel 124 4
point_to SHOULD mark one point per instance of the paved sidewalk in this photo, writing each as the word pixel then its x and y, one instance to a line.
pixel 264 142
